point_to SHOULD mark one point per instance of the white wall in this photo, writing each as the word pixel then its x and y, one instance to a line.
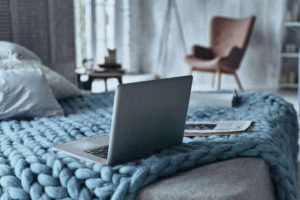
pixel 261 65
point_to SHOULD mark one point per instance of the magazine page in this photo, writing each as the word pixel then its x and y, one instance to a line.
pixel 216 128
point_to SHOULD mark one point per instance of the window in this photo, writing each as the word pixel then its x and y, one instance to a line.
pixel 95 29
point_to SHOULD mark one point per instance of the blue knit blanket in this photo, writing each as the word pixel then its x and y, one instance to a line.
pixel 29 169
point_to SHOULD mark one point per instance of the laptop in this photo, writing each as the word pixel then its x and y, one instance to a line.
pixel 147 117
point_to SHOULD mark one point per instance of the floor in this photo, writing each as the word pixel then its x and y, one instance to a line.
pixel 290 96
pixel 98 86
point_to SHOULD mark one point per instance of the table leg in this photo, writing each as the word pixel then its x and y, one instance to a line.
pixel 89 83
pixel 78 80
pixel 120 80
pixel 105 83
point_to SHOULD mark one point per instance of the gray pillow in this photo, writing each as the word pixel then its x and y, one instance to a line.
pixel 61 87
pixel 8 50
pixel 24 93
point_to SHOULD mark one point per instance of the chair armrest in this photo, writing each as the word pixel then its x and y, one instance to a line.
pixel 202 52
pixel 235 52
pixel 233 58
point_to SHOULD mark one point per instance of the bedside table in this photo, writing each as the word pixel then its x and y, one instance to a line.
pixel 103 74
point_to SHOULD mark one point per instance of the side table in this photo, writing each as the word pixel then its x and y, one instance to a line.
pixel 99 74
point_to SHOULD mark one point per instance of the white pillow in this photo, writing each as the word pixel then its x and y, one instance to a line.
pixel 8 50
pixel 25 93
pixel 61 87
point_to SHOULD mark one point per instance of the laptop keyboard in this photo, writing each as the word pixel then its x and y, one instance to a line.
pixel 101 152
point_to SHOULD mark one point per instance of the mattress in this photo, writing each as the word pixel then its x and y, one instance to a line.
pixel 235 179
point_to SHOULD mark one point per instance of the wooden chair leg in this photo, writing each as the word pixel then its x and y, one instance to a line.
pixel 191 71
pixel 238 81
pixel 219 79
pixel 105 84
pixel 213 80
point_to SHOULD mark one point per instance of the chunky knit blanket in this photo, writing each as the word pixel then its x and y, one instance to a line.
pixel 29 169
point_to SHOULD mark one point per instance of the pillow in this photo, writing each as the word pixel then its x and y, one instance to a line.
pixel 8 50
pixel 25 93
pixel 61 87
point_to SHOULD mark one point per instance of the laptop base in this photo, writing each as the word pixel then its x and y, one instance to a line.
pixel 80 148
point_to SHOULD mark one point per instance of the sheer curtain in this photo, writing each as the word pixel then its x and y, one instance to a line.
pixel 83 36
pixel 96 25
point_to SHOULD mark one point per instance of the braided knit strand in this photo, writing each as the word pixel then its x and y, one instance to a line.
pixel 30 170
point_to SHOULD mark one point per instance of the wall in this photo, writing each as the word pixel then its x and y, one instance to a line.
pixel 62 37
pixel 5 21
pixel 30 26
pixel 261 65
pixel 46 27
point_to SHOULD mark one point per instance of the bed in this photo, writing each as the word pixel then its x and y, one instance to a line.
pixel 259 164
pixel 29 169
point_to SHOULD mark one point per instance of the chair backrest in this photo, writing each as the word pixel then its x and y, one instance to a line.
pixel 226 33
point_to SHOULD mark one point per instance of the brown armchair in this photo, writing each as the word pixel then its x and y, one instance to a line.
pixel 228 42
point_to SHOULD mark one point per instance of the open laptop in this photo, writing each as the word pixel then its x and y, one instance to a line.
pixel 147 117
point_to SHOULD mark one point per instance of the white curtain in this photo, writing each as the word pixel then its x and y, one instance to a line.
pixel 102 25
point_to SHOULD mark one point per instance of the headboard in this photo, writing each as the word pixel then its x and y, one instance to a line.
pixel 5 21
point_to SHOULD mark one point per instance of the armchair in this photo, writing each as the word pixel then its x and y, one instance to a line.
pixel 229 39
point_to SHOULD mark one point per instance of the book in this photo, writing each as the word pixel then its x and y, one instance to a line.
pixel 216 128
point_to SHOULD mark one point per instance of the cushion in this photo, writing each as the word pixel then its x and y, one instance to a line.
pixel 8 49
pixel 61 87
pixel 25 93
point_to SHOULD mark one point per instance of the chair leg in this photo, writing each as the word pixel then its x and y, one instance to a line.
pixel 191 71
pixel 213 80
pixel 219 79
pixel 238 81
pixel 105 84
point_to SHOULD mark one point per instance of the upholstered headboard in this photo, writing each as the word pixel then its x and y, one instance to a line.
pixel 44 27
pixel 5 21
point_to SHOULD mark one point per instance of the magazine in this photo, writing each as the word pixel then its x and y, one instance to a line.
pixel 216 128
